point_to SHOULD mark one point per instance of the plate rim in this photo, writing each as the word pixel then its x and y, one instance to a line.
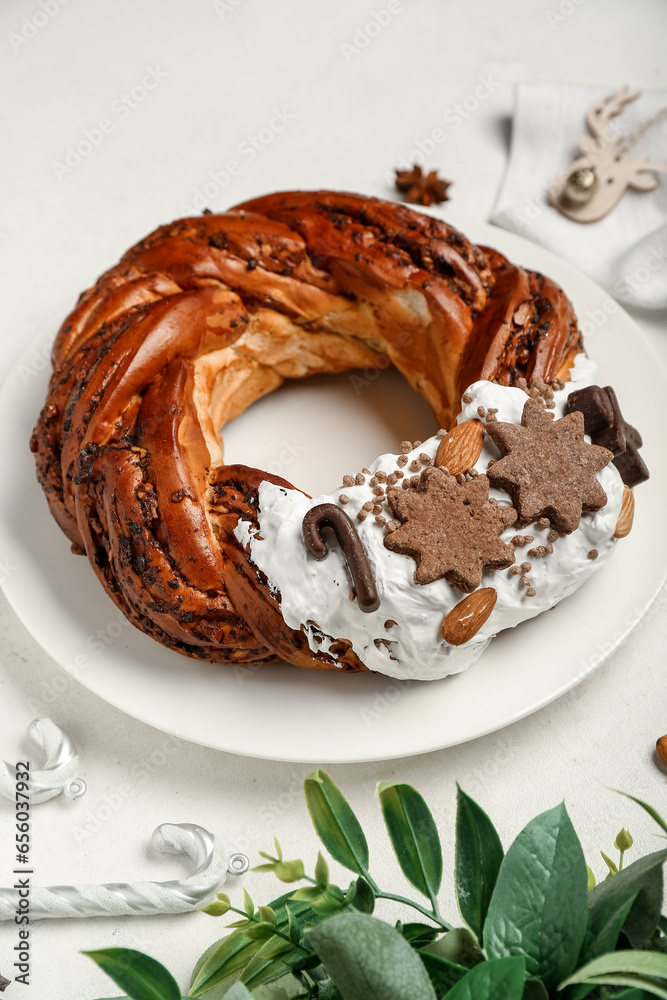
pixel 509 240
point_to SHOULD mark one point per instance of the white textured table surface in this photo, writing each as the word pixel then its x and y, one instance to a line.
pixel 219 71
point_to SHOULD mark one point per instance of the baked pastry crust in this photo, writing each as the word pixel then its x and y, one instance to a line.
pixel 208 314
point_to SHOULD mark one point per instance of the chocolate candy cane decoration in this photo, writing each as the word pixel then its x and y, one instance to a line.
pixel 328 515
pixel 57 773
pixel 137 898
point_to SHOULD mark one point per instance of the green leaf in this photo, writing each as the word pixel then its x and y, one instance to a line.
pixel 238 992
pixel 272 961
pixel 605 923
pixel 330 901
pixel 647 808
pixel 500 977
pixel 366 958
pixel 414 836
pixel 321 871
pixel 308 894
pixel 458 945
pixel 641 969
pixel 140 976
pixel 418 935
pixel 222 962
pixel 248 904
pixel 645 876
pixel 230 956
pixel 442 973
pixel 363 897
pixel 215 909
pixel 539 906
pixel 534 990
pixel 611 865
pixel 293 927
pixel 631 994
pixel 479 855
pixel 591 878
pixel 266 914
pixel 643 984
pixel 289 871
pixel 335 823
pixel 259 931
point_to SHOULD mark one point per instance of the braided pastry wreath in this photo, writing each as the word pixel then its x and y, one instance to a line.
pixel 208 314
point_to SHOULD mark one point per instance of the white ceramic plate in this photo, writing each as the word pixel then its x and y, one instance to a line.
pixel 312 432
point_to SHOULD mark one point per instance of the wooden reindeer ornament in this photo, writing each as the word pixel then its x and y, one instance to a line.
pixel 597 180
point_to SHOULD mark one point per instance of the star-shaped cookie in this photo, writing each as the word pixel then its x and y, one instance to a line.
pixel 450 529
pixel 547 467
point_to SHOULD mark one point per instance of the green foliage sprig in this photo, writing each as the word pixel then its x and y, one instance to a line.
pixel 537 924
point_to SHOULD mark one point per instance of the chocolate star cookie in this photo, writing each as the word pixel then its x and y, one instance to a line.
pixel 450 529
pixel 547 467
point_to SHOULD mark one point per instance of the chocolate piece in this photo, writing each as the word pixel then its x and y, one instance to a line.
pixel 607 427
pixel 630 464
pixel 602 417
pixel 548 468
pixel 328 515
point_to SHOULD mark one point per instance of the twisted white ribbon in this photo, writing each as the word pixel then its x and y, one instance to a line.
pixel 59 768
pixel 136 898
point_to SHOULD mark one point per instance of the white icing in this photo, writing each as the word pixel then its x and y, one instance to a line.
pixel 315 594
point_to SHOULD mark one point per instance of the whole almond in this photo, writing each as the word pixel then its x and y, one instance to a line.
pixel 460 449
pixel 661 748
pixel 626 517
pixel 466 619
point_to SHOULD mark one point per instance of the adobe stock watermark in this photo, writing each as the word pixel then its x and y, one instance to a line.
pixel 365 33
pixel 7 569
pixel 383 700
pixel 381 362
pixel 259 832
pixel 246 151
pixel 35 362
pixel 453 117
pixel 32 24
pixel 361 378
pixel 564 10
pixel 594 319
pixel 120 109
pixel 582 668
pixel 524 215
pixel 631 282
pixel 475 781
pixel 224 7
pixel 127 791
pixel 288 454
pixel 95 645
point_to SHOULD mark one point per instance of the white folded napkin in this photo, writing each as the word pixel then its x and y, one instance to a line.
pixel 626 252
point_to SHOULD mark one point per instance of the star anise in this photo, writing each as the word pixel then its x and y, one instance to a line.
pixel 420 188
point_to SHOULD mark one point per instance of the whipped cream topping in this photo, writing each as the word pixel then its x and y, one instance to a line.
pixel 403 637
